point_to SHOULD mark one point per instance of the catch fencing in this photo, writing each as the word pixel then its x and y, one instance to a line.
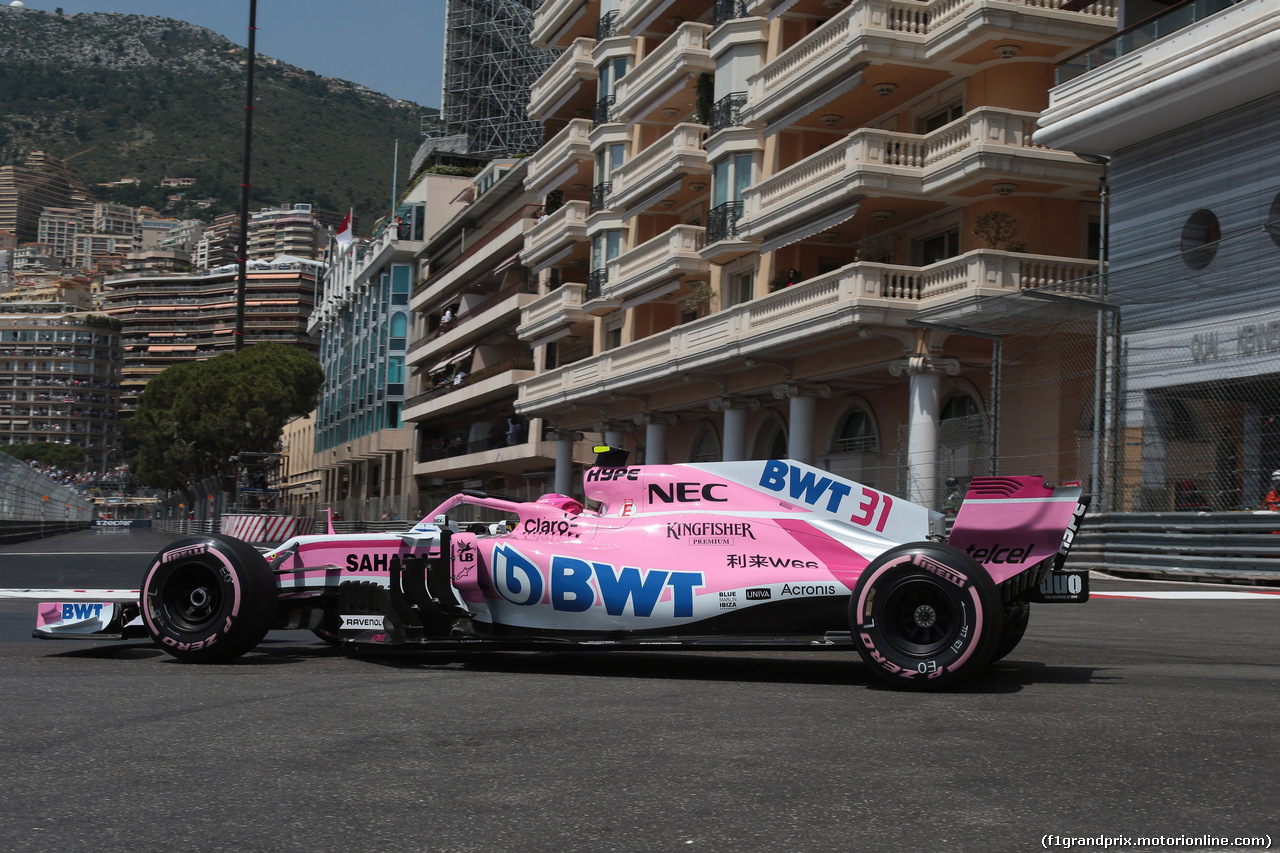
pixel 33 506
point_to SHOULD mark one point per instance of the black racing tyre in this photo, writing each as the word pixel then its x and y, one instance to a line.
pixel 208 598
pixel 1016 616
pixel 925 616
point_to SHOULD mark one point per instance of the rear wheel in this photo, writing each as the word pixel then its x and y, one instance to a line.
pixel 924 616
pixel 208 598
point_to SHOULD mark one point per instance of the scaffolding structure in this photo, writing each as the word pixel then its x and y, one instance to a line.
pixel 489 66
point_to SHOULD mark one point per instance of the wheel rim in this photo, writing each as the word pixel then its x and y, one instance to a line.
pixel 921 617
pixel 192 597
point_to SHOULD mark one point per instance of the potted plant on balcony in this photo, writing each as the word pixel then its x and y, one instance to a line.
pixel 996 227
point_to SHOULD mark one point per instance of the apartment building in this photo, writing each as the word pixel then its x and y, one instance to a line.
pixel 41 181
pixel 298 230
pixel 59 379
pixel 1189 140
pixel 363 323
pixel 748 204
pixel 58 227
pixel 174 317
pixel 468 357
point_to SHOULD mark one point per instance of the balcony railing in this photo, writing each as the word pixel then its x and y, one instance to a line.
pixel 596 280
pixel 603 107
pixel 743 329
pixel 1139 35
pixel 460 382
pixel 728 10
pixel 722 221
pixel 608 25
pixel 727 112
pixel 600 197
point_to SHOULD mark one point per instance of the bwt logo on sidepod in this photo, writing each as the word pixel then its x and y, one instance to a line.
pixel 520 581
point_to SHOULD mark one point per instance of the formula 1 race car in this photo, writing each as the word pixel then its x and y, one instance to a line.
pixel 770 554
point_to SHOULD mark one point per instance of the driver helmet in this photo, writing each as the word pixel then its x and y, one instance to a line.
pixel 1275 476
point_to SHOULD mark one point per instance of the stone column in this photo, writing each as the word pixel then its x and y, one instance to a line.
pixel 655 436
pixel 564 440
pixel 733 440
pixel 924 406
pixel 803 401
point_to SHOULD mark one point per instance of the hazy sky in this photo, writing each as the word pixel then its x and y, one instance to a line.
pixel 392 46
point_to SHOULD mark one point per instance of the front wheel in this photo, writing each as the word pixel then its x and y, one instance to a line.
pixel 208 598
pixel 925 616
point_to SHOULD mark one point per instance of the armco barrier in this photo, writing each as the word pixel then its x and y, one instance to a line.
pixel 1236 547
pixel 21 531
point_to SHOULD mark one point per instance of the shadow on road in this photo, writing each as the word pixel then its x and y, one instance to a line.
pixel 837 668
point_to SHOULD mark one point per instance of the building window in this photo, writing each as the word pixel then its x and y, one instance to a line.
pixel 940 117
pixel 741 288
pixel 707 447
pixel 613 335
pixel 857 434
pixel 938 247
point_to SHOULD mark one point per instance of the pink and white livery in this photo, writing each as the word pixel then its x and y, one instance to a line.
pixel 770 554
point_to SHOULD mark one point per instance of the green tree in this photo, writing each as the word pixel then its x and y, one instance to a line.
pixel 59 455
pixel 192 418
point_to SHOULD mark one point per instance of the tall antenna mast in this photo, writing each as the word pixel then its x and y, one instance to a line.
pixel 242 254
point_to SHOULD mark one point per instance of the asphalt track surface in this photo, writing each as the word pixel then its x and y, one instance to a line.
pixel 1121 718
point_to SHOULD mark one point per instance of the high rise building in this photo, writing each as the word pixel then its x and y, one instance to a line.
pixel 364 326
pixel 170 318
pixel 59 379
pixel 468 359
pixel 26 190
pixel 751 204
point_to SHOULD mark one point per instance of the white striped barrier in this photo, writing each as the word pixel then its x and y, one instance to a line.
pixel 266 528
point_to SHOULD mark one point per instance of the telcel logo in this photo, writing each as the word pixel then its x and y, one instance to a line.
pixel 999 554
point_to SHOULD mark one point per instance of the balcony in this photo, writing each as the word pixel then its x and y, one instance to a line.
pixel 557 22
pixel 659 169
pixel 557 233
pixel 799 319
pixel 489 316
pixel 563 80
pixel 483 386
pixel 478 459
pixel 603 110
pixel 552 311
pixel 826 61
pixel 657 266
pixel 665 79
pixel 648 15
pixel 962 154
pixel 486 254
pixel 561 159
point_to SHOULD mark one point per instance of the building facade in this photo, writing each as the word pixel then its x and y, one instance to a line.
pixel 364 327
pixel 175 317
pixel 467 357
pixel 1190 138
pixel 60 377
pixel 750 203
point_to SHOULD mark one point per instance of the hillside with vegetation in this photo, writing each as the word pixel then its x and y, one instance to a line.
pixel 129 96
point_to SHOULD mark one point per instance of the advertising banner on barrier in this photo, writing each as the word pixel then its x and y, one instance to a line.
pixel 122 522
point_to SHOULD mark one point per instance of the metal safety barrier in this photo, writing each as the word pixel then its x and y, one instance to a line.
pixel 1236 547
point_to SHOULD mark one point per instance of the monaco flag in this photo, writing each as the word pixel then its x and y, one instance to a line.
pixel 344 230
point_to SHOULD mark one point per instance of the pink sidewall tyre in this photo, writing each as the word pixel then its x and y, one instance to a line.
pixel 208 598
pixel 925 616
